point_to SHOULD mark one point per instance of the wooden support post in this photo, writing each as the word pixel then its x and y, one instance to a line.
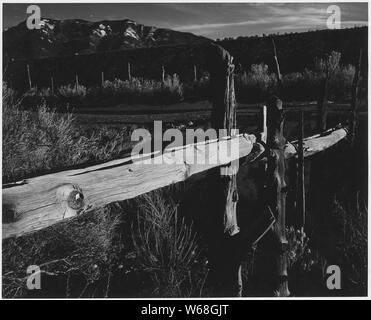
pixel 29 76
pixel 129 71
pixel 194 73
pixel 301 181
pixel 276 184
pixel 354 104
pixel 276 191
pixel 102 78
pixel 224 247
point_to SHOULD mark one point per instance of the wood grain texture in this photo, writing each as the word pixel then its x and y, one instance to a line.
pixel 316 143
pixel 45 200
pixel 34 204
pixel 223 253
pixel 277 191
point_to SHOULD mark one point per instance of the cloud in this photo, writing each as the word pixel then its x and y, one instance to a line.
pixel 207 26
pixel 214 20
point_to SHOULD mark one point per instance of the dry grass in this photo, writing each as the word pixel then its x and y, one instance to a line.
pixel 167 249
pixel 94 251
pixel 88 247
pixel 40 141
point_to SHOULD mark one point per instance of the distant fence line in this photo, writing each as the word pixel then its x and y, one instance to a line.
pixel 121 64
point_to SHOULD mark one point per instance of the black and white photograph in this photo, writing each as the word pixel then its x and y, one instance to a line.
pixel 184 150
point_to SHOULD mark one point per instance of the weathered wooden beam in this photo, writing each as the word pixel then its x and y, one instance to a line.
pixel 316 143
pixel 42 201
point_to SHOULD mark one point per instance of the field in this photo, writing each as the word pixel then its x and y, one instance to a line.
pixel 156 245
pixel 118 265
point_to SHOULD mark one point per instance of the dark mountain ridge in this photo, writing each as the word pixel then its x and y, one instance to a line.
pixel 77 36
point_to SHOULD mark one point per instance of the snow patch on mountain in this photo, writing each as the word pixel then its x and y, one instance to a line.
pixel 46 23
pixel 130 32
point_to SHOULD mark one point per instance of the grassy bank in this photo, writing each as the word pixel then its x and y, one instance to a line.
pixel 40 141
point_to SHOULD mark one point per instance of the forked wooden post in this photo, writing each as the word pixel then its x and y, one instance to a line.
pixel 224 253
pixel 276 183
pixel 276 191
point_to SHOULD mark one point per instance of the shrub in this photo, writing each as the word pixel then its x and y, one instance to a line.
pixel 138 90
pixel 72 90
pixel 197 90
pixel 166 248
pixel 255 84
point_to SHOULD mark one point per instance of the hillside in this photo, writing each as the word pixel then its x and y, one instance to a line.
pixel 76 36
pixel 296 52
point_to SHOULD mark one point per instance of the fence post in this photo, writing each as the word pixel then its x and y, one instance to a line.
pixel 276 191
pixel 129 71
pixel 322 105
pixel 77 82
pixel 224 248
pixel 29 76
pixel 52 85
pixel 278 72
pixel 354 104
pixel 276 183
pixel 301 176
pixel 194 73
pixel 102 78
pixel 163 74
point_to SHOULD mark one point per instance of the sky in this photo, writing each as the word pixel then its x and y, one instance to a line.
pixel 212 20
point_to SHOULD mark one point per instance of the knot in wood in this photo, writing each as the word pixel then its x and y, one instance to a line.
pixel 230 68
pixel 71 198
pixel 75 200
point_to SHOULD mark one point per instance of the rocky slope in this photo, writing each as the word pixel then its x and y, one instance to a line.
pixel 73 37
